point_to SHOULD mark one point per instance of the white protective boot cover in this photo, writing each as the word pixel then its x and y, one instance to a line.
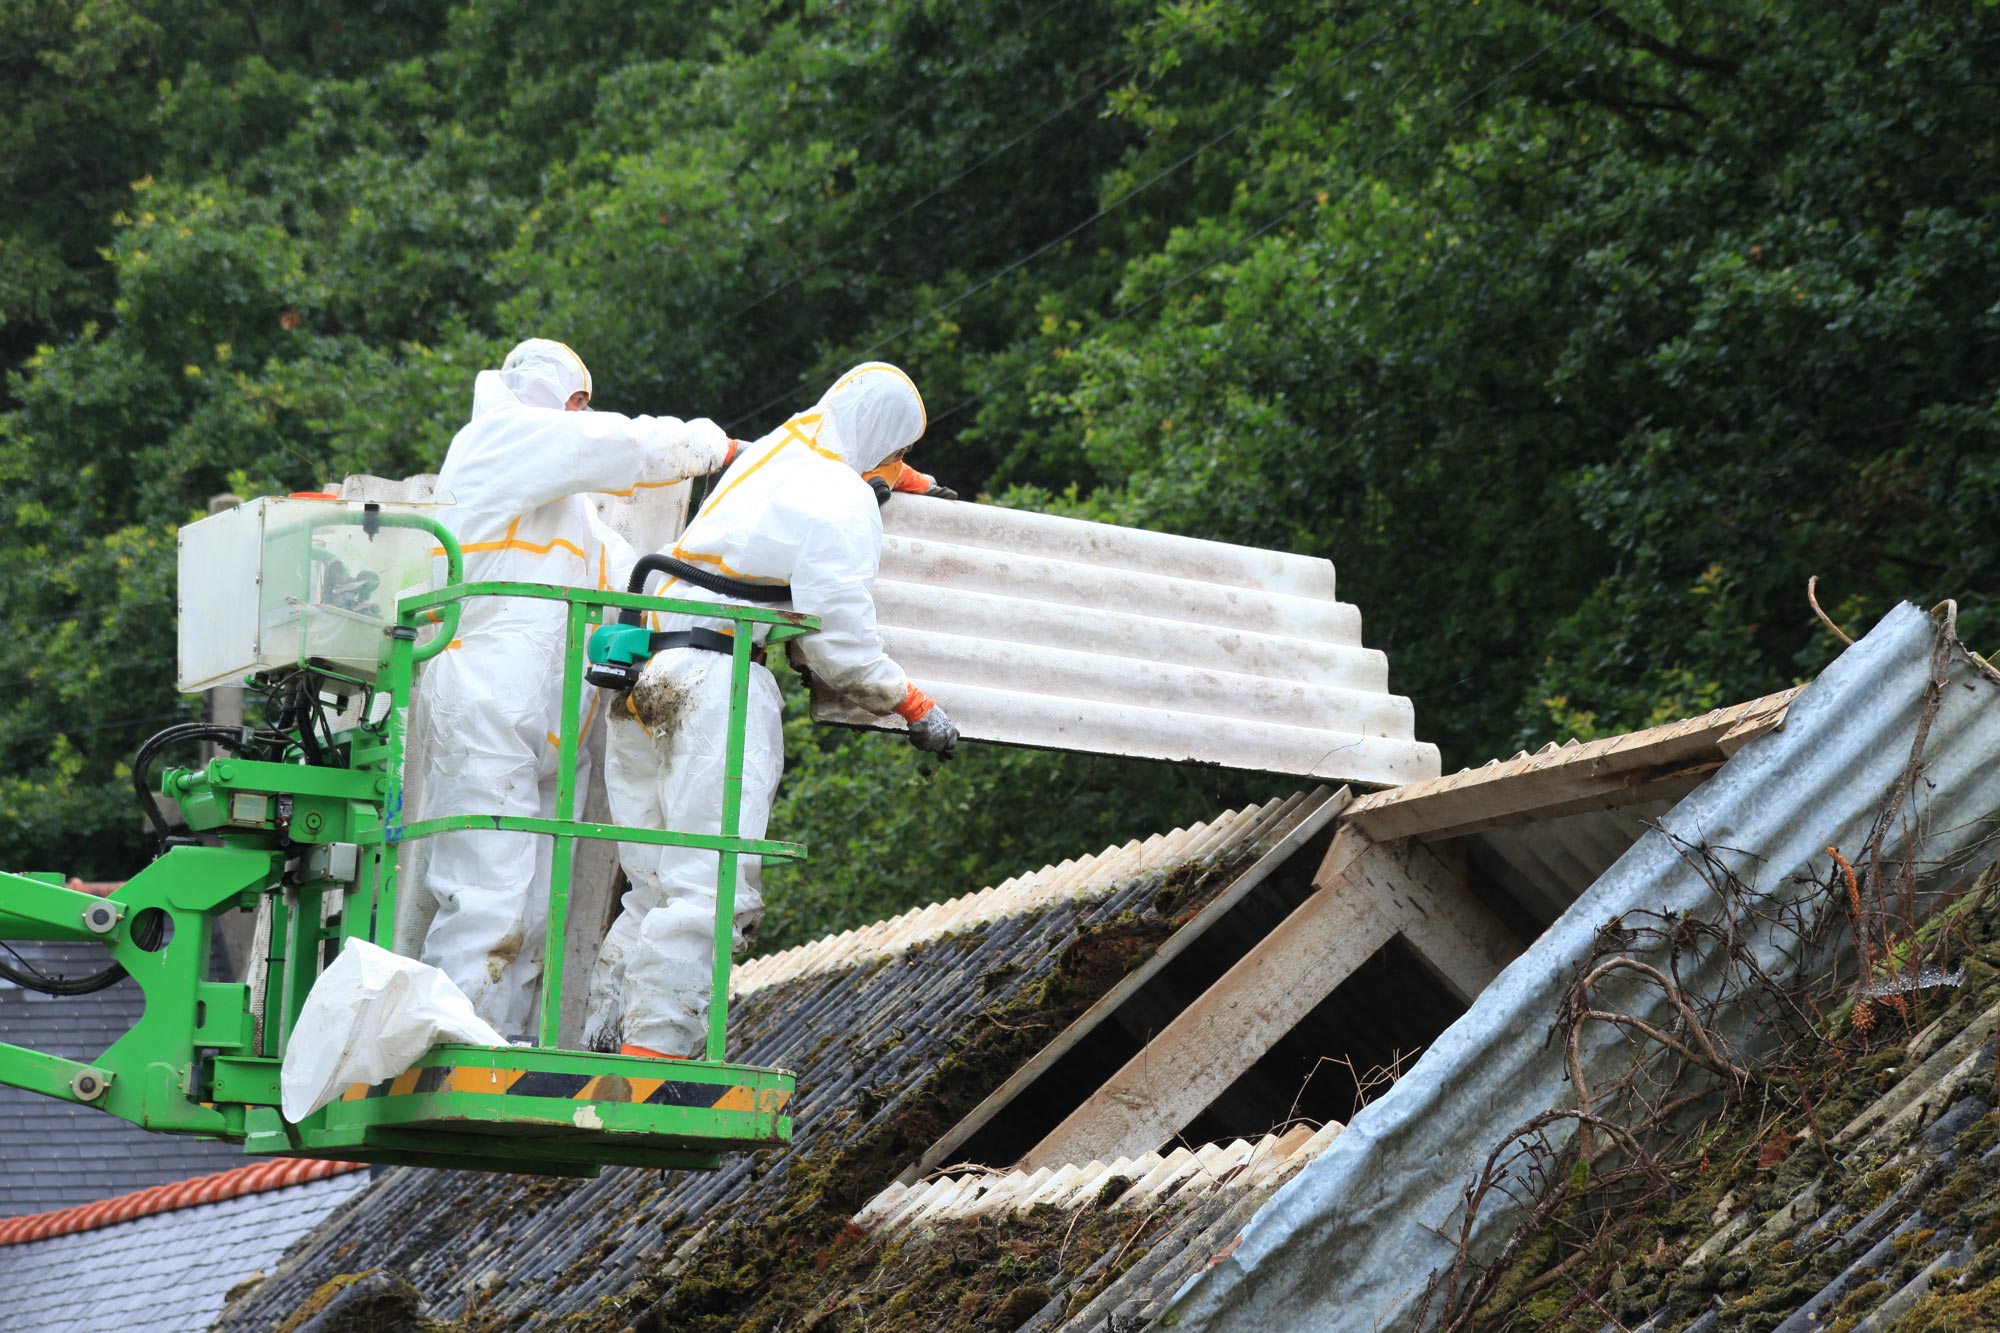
pixel 369 1017
pixel 664 764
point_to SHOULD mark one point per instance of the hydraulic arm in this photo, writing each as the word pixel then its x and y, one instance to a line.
pixel 301 823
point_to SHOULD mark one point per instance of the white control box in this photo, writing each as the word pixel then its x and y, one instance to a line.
pixel 287 582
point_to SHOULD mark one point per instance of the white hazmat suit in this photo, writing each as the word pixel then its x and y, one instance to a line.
pixel 792 509
pixel 518 476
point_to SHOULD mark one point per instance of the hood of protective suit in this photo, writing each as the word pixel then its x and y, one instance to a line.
pixel 870 413
pixel 544 373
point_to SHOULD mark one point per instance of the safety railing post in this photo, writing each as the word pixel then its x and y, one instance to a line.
pixel 727 859
pixel 585 607
pixel 399 683
pixel 559 864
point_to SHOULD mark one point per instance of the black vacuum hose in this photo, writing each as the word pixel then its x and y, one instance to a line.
pixel 701 578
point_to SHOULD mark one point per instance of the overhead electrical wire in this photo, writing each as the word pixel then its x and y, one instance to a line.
pixel 1332 62
pixel 1032 131
pixel 1288 214
pixel 899 113
pixel 853 146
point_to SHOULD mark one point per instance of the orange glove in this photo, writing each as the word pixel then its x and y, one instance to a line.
pixel 930 729
pixel 915 704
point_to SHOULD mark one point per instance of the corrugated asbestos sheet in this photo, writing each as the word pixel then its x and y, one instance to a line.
pixel 863 1027
pixel 1151 1180
pixel 1012 897
pixel 1188 1203
pixel 1919 1139
pixel 1043 631
pixel 1347 1244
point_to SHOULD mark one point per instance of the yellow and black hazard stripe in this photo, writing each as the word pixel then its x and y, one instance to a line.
pixel 572 1087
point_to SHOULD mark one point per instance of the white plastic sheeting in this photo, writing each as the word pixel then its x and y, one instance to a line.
pixel 1044 631
pixel 370 1016
pixel 1348 1244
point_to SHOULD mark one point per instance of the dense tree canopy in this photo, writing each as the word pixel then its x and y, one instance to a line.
pixel 1577 337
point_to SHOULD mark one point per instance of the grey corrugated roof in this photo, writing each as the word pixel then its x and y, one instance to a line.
pixel 60 1154
pixel 167 1273
pixel 1347 1244
pixel 866 1035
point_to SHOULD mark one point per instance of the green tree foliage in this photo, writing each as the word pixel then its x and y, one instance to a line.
pixel 1577 336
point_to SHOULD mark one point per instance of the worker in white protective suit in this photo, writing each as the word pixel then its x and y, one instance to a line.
pixel 793 509
pixel 518 477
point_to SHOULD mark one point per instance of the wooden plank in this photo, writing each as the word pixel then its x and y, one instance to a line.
pixel 1458 941
pixel 1597 774
pixel 1368 893
pixel 1746 731
pixel 1650 787
pixel 942 1152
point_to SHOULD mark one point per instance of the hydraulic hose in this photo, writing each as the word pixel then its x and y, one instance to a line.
pixel 29 977
pixel 148 935
pixel 660 563
pixel 230 738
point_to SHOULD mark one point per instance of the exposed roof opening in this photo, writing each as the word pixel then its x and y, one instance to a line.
pixel 1331 958
pixel 1074 1065
pixel 1379 1019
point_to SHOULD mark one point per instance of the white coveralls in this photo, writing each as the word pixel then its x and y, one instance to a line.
pixel 518 476
pixel 791 509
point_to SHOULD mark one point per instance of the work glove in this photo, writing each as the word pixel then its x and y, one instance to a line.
pixel 930 729
pixel 941 492
pixel 934 733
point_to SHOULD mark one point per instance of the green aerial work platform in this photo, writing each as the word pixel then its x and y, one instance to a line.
pixel 302 826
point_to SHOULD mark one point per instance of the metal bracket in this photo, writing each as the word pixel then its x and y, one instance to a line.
pixel 90 1084
pixel 330 863
pixel 102 918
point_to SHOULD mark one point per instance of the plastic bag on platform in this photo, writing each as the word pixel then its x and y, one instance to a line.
pixel 370 1016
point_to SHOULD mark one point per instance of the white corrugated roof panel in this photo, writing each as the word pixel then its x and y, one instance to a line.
pixel 1036 630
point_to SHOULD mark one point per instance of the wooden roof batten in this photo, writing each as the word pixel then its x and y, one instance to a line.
pixel 1663 761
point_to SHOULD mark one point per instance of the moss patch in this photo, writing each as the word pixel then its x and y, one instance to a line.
pixel 373 1301
pixel 1829 1080
pixel 804 1267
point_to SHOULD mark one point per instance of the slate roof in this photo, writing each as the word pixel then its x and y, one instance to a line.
pixel 887 1042
pixel 60 1154
pixel 167 1271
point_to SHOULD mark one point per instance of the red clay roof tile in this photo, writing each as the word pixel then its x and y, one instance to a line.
pixel 256 1178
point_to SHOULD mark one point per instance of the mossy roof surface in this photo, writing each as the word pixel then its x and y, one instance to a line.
pixel 888 1055
pixel 1878 1211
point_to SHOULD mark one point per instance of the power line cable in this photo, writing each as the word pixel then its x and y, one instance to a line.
pixel 119 664
pixel 1289 213
pixel 1096 216
pixel 1028 133
pixel 899 113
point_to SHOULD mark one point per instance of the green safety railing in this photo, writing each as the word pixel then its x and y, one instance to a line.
pixel 205 1056
pixel 586 609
